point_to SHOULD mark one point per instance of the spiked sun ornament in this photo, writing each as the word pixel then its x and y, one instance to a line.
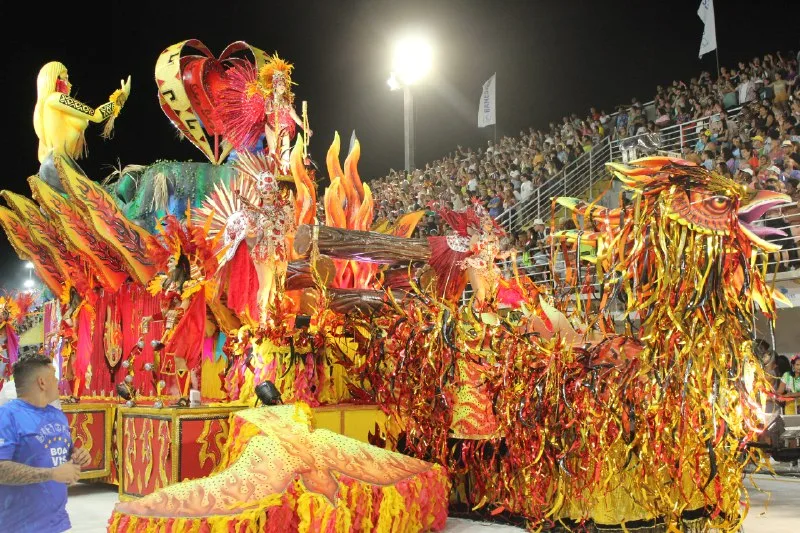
pixel 258 166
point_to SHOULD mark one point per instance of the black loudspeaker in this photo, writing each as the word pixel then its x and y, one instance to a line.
pixel 268 394
pixel 302 321
pixel 124 391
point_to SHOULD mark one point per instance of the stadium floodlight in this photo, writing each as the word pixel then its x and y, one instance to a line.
pixel 412 59
pixel 411 62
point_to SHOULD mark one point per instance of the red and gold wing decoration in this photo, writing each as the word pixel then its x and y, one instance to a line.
pixel 108 266
pixel 27 249
pixel 43 232
pixel 279 471
pixel 138 248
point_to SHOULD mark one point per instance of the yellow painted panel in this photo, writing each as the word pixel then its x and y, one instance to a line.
pixel 328 419
pixel 359 423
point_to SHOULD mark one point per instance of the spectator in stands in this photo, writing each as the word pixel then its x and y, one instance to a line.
pixel 540 234
pixel 780 88
pixel 746 89
pixel 745 176
pixel 789 387
pixel 707 159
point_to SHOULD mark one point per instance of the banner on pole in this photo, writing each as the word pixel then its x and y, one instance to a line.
pixel 487 107
pixel 706 14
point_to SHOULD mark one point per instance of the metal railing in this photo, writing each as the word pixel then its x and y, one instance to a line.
pixel 674 138
pixel 784 264
pixel 579 177
pixel 576 179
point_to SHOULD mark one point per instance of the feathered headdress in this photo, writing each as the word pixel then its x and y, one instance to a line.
pixel 192 241
pixel 274 70
pixel 10 306
pixel 243 106
pixel 472 218
pixel 478 216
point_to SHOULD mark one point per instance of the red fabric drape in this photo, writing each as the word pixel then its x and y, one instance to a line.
pixel 101 373
pixel 135 303
pixel 242 283
pixel 12 345
pixel 83 350
pixel 52 319
pixel 187 340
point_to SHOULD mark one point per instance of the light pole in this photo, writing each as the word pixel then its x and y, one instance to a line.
pixel 29 283
pixel 410 63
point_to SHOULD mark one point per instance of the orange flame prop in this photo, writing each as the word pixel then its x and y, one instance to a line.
pixel 305 199
pixel 348 205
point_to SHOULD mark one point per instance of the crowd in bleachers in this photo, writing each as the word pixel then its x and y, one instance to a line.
pixel 760 146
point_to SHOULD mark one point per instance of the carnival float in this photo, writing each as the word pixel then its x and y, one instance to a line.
pixel 622 393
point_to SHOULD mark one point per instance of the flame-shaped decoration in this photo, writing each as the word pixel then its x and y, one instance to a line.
pixel 348 205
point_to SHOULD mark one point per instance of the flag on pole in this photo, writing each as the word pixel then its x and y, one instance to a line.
pixel 486 107
pixel 706 14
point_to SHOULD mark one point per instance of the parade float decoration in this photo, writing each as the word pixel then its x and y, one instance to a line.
pixel 564 419
pixel 280 473
pixel 237 276
pixel 13 308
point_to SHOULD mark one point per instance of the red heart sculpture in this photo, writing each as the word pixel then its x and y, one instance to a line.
pixel 200 76
pixel 203 77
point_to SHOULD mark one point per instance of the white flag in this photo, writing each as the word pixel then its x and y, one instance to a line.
pixel 486 107
pixel 706 14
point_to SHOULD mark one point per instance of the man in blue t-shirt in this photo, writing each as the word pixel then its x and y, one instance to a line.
pixel 37 459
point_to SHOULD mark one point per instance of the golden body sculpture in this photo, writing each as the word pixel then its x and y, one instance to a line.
pixel 60 121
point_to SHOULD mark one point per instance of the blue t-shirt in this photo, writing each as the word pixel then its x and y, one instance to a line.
pixel 38 437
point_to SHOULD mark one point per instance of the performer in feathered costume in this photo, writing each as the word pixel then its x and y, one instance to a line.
pixel 467 255
pixel 258 215
pixel 257 102
pixel 12 311
pixel 182 290
pixel 239 350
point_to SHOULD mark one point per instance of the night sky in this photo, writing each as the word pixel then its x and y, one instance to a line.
pixel 551 59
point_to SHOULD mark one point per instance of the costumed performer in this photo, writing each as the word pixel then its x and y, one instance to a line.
pixel 265 220
pixel 9 340
pixel 178 354
pixel 468 255
pixel 239 351
pixel 75 330
pixel 261 102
